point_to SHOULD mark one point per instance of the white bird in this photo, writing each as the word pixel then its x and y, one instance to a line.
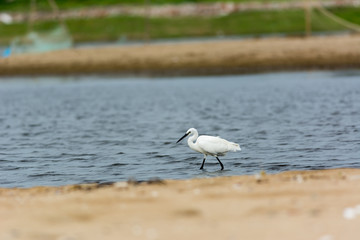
pixel 209 145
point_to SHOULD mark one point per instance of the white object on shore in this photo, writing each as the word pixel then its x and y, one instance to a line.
pixel 6 18
pixel 209 145
pixel 351 213
pixel 326 237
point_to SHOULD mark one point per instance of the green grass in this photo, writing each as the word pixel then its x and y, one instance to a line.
pixel 349 14
pixel 289 22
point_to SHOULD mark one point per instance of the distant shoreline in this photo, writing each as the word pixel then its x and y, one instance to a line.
pixel 174 10
pixel 194 58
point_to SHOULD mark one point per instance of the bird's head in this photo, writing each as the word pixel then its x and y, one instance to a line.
pixel 188 132
pixel 191 131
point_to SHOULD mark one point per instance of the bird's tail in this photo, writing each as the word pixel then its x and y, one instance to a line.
pixel 234 147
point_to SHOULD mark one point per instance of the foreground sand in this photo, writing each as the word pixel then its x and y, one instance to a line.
pixel 290 205
pixel 195 58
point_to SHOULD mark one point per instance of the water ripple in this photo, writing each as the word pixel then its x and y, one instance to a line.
pixel 56 132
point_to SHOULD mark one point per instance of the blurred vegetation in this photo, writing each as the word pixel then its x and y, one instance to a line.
pixel 289 22
pixel 23 5
pixel 350 14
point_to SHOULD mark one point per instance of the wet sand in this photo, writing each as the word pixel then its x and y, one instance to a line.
pixel 290 205
pixel 194 58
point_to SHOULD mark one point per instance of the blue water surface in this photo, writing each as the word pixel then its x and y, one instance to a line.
pixel 66 130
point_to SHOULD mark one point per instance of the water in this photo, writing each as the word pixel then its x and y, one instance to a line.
pixel 57 131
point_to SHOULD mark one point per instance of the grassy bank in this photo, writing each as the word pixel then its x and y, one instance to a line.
pixel 23 5
pixel 290 22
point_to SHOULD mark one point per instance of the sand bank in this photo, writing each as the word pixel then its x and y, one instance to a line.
pixel 194 58
pixel 320 205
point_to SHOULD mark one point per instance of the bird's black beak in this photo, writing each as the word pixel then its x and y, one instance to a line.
pixel 183 137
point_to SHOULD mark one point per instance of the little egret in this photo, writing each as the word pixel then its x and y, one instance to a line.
pixel 209 145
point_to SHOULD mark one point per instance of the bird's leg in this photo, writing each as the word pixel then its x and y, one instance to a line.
pixel 202 165
pixel 222 166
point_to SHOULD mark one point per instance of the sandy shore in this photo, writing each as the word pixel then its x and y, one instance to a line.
pixel 318 205
pixel 194 58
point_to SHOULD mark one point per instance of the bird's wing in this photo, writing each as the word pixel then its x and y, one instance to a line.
pixel 212 145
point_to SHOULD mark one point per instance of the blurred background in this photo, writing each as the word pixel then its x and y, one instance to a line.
pixel 57 130
pixel 42 25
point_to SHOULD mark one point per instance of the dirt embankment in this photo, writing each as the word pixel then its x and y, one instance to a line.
pixel 194 58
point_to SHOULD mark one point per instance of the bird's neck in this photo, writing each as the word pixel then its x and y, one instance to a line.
pixel 191 142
